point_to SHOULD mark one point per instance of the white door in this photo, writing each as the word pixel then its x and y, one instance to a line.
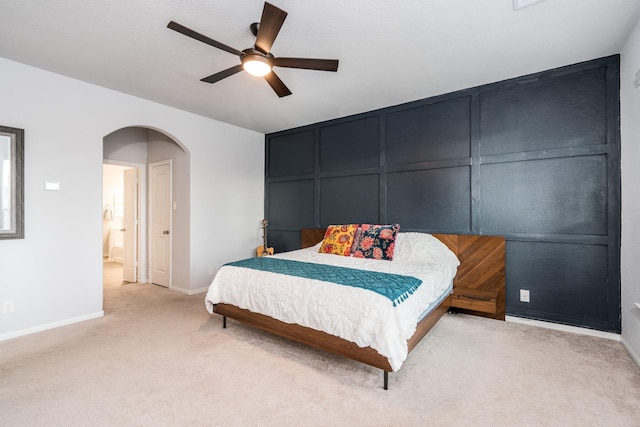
pixel 160 212
pixel 130 226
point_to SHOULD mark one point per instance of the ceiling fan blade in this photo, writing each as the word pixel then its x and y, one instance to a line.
pixel 270 24
pixel 307 63
pixel 222 74
pixel 277 85
pixel 201 37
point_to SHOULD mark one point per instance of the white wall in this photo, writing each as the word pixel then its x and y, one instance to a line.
pixel 630 134
pixel 54 274
pixel 160 147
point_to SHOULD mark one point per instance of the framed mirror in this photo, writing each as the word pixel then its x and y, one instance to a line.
pixel 11 183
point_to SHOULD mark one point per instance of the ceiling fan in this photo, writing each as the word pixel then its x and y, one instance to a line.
pixel 258 60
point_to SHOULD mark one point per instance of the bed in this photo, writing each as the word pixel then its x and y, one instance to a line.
pixel 381 337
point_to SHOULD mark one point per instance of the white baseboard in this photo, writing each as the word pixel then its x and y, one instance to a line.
pixel 180 290
pixel 565 328
pixel 52 325
pixel 632 353
pixel 188 291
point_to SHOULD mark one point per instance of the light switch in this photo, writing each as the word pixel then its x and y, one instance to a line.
pixel 51 186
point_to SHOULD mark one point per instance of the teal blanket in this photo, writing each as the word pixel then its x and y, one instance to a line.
pixel 395 287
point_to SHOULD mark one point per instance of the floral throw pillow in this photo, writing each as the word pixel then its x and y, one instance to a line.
pixel 376 241
pixel 356 238
pixel 338 239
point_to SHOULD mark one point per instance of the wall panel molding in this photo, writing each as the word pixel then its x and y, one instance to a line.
pixel 535 159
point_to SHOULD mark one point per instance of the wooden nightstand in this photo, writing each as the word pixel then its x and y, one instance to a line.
pixel 479 287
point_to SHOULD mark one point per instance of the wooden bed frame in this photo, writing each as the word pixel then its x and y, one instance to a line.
pixel 482 264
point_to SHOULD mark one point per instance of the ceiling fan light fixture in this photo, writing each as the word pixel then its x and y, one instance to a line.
pixel 257 68
pixel 256 64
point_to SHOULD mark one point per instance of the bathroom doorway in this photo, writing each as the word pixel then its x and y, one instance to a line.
pixel 123 208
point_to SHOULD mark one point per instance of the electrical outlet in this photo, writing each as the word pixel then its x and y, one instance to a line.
pixel 7 306
pixel 212 271
pixel 524 295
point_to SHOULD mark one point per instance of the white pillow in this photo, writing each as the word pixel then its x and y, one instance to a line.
pixel 422 248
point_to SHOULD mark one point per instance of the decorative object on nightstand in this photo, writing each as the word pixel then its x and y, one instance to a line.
pixel 264 250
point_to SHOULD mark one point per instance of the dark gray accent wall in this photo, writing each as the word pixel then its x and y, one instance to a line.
pixel 535 159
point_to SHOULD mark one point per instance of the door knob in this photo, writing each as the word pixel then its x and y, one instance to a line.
pixel 123 229
pixel 165 232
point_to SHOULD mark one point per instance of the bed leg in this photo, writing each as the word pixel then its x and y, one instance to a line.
pixel 386 380
pixel 224 322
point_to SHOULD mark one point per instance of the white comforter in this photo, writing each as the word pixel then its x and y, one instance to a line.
pixel 354 314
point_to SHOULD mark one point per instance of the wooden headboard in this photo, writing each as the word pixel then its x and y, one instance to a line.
pixel 311 236
pixel 479 285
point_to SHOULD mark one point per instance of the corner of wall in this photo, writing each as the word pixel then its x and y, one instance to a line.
pixel 634 356
pixel 630 156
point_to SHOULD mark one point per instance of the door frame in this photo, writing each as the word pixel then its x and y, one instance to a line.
pixel 141 247
pixel 130 225
pixel 149 219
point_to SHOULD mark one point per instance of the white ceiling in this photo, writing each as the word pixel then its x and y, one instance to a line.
pixel 390 52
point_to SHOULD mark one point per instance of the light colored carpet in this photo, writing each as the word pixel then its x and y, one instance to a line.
pixel 159 359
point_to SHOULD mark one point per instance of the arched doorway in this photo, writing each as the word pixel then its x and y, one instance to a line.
pixel 137 147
